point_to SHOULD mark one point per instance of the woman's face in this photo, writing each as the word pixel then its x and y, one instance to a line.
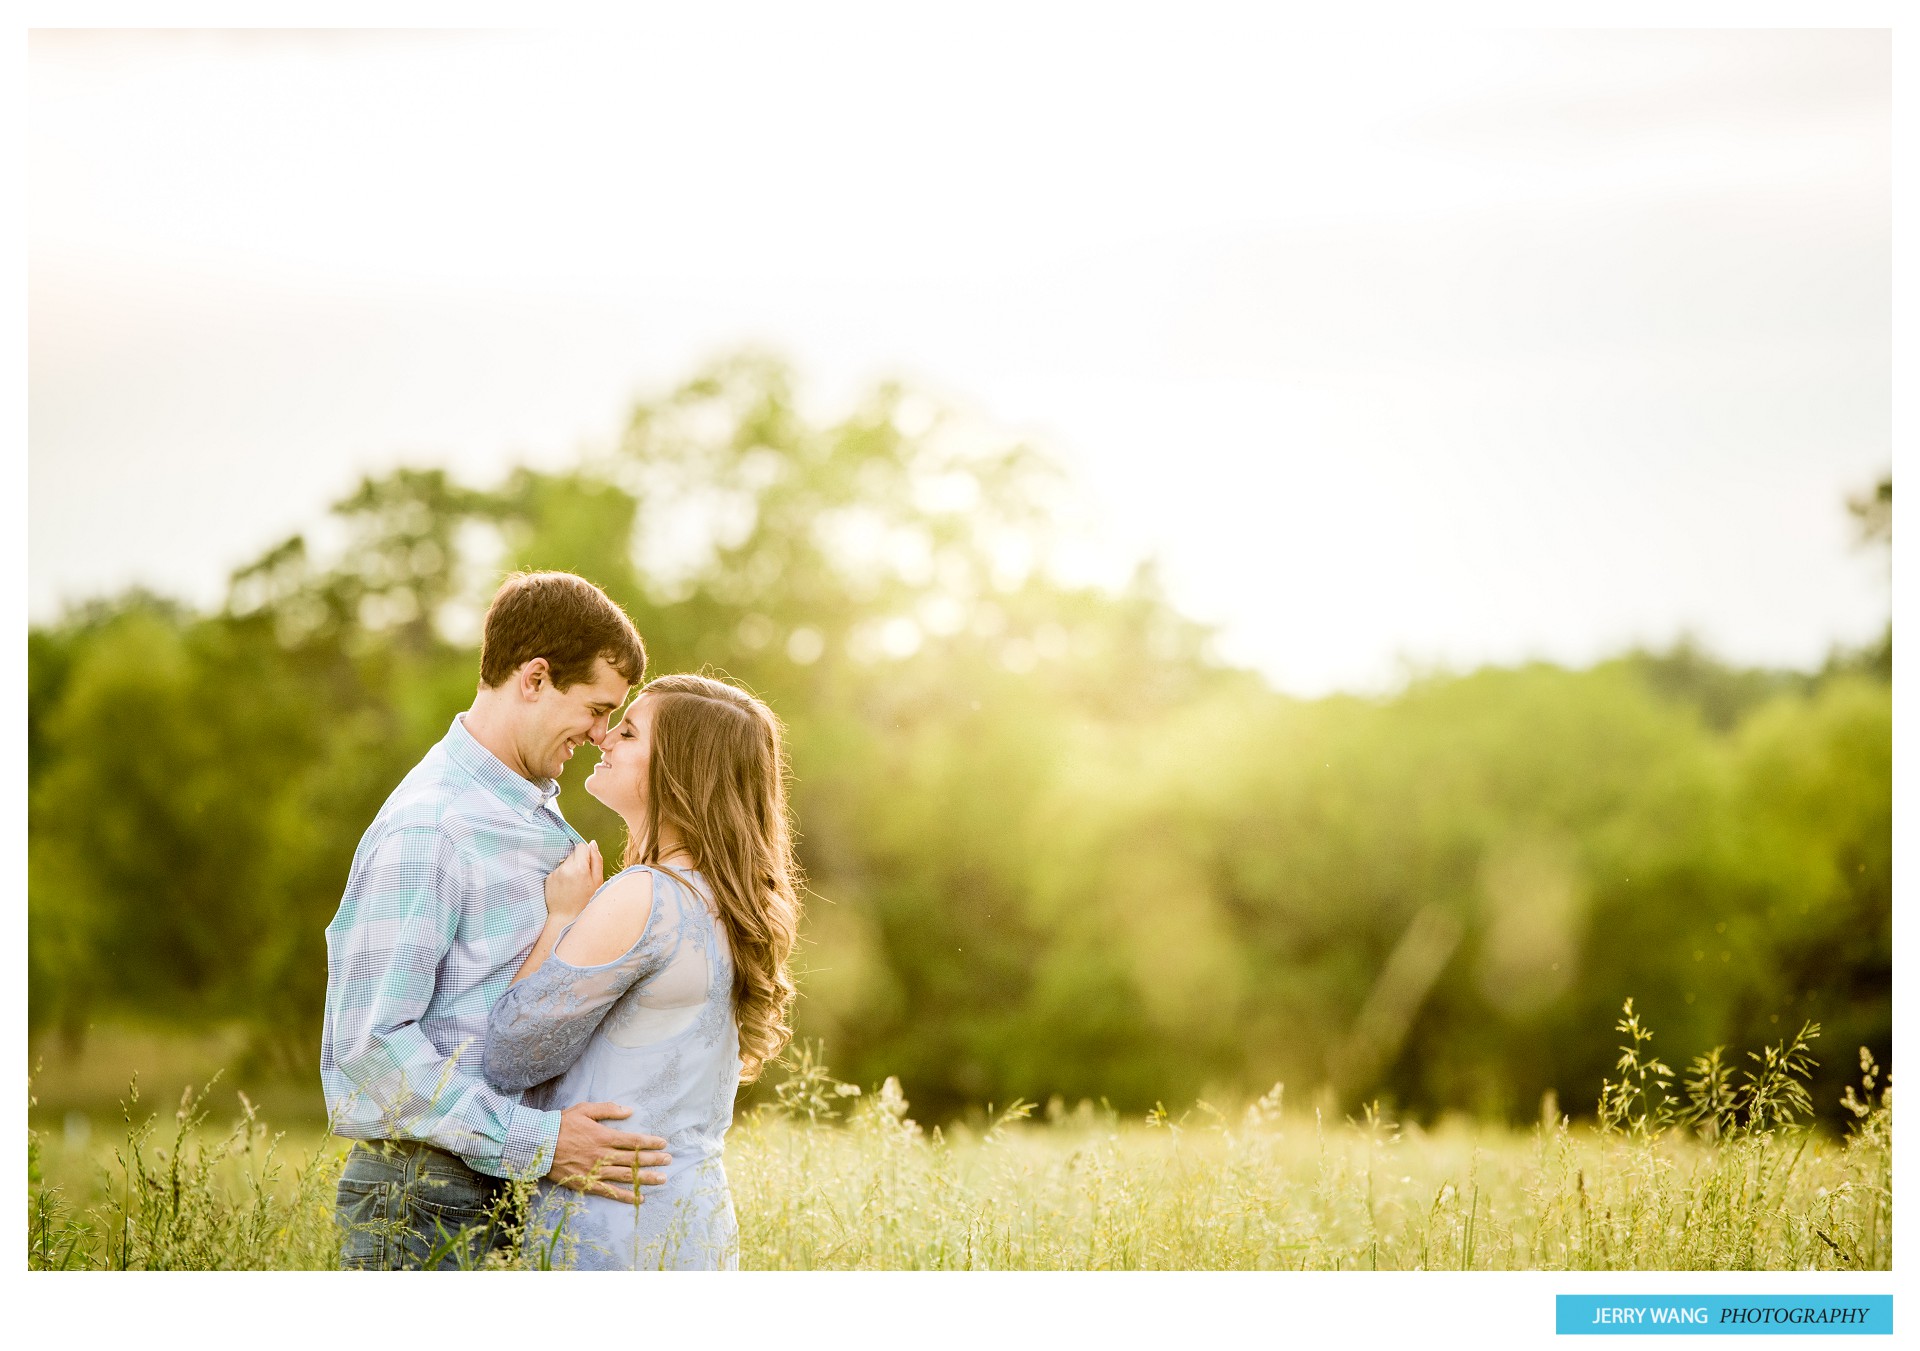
pixel 620 777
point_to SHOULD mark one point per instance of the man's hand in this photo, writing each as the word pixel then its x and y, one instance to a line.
pixel 591 1157
pixel 571 885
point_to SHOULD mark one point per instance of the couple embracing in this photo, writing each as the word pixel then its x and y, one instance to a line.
pixel 494 1002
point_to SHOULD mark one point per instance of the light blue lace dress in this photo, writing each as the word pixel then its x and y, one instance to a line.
pixel 653 1030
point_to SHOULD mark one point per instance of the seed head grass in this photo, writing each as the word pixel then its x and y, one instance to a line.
pixel 1727 1174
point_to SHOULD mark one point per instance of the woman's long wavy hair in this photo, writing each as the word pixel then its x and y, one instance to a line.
pixel 717 774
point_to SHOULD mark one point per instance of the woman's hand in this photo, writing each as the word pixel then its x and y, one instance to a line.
pixel 571 885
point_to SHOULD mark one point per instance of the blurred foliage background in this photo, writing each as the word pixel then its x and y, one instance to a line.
pixel 1054 847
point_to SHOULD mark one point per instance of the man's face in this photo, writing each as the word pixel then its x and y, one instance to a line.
pixel 559 721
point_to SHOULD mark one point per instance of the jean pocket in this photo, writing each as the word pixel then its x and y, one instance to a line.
pixel 446 1238
pixel 441 1185
pixel 366 1211
pixel 453 1216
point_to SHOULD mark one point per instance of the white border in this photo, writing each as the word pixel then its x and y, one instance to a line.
pixel 908 1309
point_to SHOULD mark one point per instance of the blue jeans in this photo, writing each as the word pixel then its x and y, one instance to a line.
pixel 406 1206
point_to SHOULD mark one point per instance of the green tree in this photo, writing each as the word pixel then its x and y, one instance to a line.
pixel 1054 847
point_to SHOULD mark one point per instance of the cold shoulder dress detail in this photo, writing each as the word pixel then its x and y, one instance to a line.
pixel 653 1030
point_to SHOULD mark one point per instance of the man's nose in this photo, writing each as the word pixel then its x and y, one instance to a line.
pixel 597 734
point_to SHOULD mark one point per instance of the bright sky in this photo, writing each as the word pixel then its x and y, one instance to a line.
pixel 1452 348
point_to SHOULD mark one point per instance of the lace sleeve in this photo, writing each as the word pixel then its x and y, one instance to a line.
pixel 541 1025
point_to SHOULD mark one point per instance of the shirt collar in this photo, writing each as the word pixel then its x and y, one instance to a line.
pixel 522 795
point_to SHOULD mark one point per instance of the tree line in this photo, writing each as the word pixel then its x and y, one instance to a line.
pixel 1054 847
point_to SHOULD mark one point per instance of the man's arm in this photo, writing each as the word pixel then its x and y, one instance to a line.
pixel 385 1081
pixel 383 1078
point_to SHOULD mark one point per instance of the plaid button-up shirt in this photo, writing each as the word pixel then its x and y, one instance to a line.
pixel 445 899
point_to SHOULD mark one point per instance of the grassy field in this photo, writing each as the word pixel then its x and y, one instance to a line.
pixel 833 1178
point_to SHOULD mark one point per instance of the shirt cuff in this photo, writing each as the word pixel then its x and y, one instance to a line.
pixel 532 1137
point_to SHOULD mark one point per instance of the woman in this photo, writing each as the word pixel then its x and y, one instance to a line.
pixel 671 986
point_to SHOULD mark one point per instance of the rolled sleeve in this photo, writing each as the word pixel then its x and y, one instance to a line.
pixel 532 1138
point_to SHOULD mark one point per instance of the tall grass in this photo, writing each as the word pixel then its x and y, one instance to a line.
pixel 1726 1173
pixel 185 1200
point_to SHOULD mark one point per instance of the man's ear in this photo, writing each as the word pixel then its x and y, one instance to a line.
pixel 535 676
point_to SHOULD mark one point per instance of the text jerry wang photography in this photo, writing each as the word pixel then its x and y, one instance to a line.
pixel 1275 656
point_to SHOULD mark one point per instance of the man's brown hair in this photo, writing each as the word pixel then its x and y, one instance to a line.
pixel 564 618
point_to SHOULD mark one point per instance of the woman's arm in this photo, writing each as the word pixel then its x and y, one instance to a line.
pixel 542 1024
pixel 569 887
pixel 614 922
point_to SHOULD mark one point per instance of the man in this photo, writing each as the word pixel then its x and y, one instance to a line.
pixel 445 897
